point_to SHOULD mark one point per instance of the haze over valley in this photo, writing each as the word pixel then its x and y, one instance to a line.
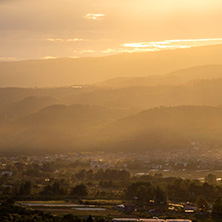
pixel 138 109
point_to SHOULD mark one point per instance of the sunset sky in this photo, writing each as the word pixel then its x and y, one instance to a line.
pixel 74 28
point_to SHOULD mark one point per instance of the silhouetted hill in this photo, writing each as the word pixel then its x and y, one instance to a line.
pixel 180 117
pixel 13 95
pixel 174 78
pixel 62 128
pixel 67 71
pixel 198 92
pixel 198 72
pixel 26 106
pixel 57 128
pixel 75 117
pixel 164 128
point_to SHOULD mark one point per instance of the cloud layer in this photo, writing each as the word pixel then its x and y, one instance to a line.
pixel 37 29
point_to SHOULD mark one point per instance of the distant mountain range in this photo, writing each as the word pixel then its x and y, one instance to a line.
pixel 177 77
pixel 197 92
pixel 149 106
pixel 68 71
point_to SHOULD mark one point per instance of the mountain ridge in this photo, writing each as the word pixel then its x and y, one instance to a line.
pixel 62 72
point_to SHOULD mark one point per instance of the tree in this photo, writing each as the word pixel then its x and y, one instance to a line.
pixel 132 190
pixel 202 204
pixel 70 218
pixel 144 193
pixel 217 207
pixel 25 188
pixel 160 196
pixel 141 193
pixel 79 190
pixel 55 189
pixel 211 179
pixel 81 174
pixel 89 219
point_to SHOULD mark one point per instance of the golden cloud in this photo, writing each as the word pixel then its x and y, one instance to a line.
pixel 93 16
pixel 64 40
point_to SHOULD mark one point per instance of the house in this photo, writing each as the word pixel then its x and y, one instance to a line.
pixel 124 220
pixel 190 208
pixel 152 220
pixel 9 173
pixel 178 220
pixel 155 219
pixel 128 207
pixel 119 207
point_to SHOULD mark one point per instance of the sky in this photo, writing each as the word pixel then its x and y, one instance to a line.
pixel 31 29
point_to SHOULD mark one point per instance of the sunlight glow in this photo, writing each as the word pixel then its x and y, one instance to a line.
pixel 63 40
pixel 93 16
pixel 7 58
pixel 49 57
pixel 181 43
pixel 87 51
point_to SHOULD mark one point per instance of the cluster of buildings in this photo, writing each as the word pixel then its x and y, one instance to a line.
pixel 148 220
